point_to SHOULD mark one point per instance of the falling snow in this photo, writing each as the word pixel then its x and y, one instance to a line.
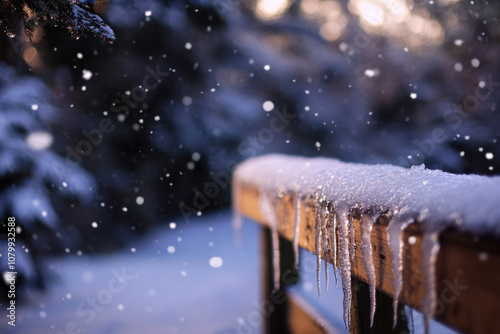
pixel 370 73
pixel 215 262
pixel 86 75
pixel 268 106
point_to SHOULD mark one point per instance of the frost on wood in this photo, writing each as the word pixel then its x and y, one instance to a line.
pixel 341 192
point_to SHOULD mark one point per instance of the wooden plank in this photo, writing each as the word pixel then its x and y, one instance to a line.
pixel 467 270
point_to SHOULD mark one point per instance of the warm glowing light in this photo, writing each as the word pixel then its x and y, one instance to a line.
pixel 447 2
pixel 271 9
pixel 332 30
pixel 369 12
pixel 329 15
pixel 416 24
pixel 451 21
pixel 395 18
pixel 434 31
pixel 310 7
pixel 330 9
pixel 30 54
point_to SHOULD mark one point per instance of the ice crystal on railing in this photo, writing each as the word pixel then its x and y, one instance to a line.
pixel 342 192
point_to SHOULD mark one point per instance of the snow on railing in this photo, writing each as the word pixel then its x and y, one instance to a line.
pixel 341 192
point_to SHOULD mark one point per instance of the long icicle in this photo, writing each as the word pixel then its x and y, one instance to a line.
pixel 430 249
pixel 366 223
pixel 318 234
pixel 333 239
pixel 345 266
pixel 296 229
pixel 276 248
pixel 394 235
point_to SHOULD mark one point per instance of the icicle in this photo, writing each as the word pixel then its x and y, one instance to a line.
pixel 268 209
pixel 276 251
pixel 325 218
pixel 430 249
pixel 318 240
pixel 296 229
pixel 366 223
pixel 333 240
pixel 324 221
pixel 345 266
pixel 352 249
pixel 394 235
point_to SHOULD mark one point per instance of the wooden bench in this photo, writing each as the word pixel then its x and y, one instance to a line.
pixel 467 270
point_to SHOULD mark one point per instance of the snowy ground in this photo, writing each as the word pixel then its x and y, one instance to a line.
pixel 163 290
pixel 170 283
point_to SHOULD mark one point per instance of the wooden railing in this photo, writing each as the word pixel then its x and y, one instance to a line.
pixel 467 271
